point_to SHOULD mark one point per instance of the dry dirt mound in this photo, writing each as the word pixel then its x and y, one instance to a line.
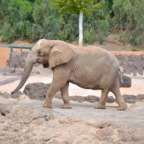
pixel 27 122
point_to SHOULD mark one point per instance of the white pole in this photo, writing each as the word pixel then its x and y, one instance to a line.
pixel 81 29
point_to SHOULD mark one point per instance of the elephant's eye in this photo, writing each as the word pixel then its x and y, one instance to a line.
pixel 39 52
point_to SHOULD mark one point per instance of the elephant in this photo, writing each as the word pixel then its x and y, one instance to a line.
pixel 88 67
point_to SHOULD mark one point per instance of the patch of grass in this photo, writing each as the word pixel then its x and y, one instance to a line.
pixel 135 49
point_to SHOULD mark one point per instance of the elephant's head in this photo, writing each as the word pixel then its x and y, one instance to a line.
pixel 50 53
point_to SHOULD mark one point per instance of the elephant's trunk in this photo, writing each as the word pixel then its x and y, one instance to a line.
pixel 27 70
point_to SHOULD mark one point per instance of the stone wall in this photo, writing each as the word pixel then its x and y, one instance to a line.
pixel 132 65
pixel 17 59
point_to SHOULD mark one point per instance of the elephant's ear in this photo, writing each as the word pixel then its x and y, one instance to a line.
pixel 60 54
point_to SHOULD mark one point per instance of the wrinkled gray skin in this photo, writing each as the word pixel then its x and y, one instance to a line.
pixel 88 67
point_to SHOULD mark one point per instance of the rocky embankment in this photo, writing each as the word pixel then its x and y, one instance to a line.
pixel 25 121
pixel 132 64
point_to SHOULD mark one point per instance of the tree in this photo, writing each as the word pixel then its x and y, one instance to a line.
pixel 79 7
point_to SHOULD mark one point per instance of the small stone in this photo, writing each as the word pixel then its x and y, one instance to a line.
pixel 2 133
pixel 6 128
pixel 6 95
pixel 2 120
pixel 49 117
pixel 16 127
pixel 104 133
pixel 50 124
pixel 16 95
pixel 30 129
pixel 110 139
pixel 46 138
pixel 53 141
pixel 50 136
pixel 39 121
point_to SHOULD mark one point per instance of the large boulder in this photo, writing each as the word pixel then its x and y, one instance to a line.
pixel 125 82
pixel 36 90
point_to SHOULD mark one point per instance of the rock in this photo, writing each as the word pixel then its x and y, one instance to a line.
pixel 132 64
pixel 104 133
pixel 77 98
pixel 5 94
pixel 130 98
pixel 53 141
pixel 6 128
pixel 5 109
pixel 39 121
pixel 17 59
pixel 36 90
pixel 126 81
pixel 49 117
pixel 140 97
pixel 19 113
pixel 111 99
pixel 16 128
pixel 16 95
pixel 92 99
pixel 131 135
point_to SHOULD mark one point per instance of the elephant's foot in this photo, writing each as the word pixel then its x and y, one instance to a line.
pixel 66 106
pixel 122 107
pixel 100 106
pixel 47 105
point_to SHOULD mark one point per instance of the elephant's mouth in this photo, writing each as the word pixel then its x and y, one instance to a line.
pixel 40 60
pixel 43 61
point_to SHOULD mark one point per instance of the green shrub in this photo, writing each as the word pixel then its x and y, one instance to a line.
pixel 129 16
pixel 135 49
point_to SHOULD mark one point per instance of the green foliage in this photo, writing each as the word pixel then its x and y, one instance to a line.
pixel 39 19
pixel 76 6
pixel 47 21
pixel 16 20
pixel 135 49
pixel 35 19
pixel 128 13
pixel 129 16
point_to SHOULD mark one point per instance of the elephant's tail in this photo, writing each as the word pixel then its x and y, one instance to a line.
pixel 125 81
pixel 120 74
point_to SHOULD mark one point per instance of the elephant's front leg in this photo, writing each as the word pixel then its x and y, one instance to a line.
pixel 65 96
pixel 60 78
pixel 51 92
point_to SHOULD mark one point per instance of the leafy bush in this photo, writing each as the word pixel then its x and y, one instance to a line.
pixel 38 19
pixel 16 20
pixel 129 16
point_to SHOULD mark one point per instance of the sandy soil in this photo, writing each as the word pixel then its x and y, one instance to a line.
pixel 25 121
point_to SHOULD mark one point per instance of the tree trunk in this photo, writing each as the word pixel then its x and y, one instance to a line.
pixel 81 29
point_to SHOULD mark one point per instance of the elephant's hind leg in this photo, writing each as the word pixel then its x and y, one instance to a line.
pixel 65 97
pixel 102 102
pixel 120 100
